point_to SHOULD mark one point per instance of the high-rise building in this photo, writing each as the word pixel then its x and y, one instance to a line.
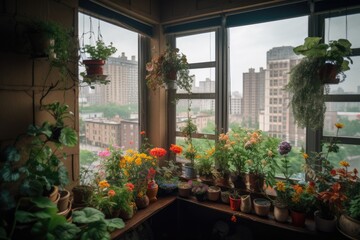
pixel 277 118
pixel 253 97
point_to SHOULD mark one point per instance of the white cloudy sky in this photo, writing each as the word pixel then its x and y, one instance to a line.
pixel 248 44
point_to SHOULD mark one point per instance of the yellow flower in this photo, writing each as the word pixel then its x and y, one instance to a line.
pixel 104 184
pixel 138 161
pixel 270 153
pixel 305 156
pixel 339 125
pixel 280 186
pixel 295 198
pixel 122 163
pixel 344 163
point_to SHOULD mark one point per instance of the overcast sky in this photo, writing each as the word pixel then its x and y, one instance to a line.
pixel 248 44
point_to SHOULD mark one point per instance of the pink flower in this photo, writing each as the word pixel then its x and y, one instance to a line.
pixel 104 153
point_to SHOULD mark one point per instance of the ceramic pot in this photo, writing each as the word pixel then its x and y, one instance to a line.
pixel 262 206
pixel 189 172
pixel 245 203
pixel 349 226
pixel 152 192
pixel 184 190
pixel 297 218
pixel 235 204
pixel 324 225
pixel 64 200
pixel 213 193
pixel 281 213
pixel 142 202
pixel 53 196
pixel 94 67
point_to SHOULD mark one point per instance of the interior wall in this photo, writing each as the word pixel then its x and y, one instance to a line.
pixel 23 79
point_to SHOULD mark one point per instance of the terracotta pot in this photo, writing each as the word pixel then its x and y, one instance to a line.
pixel 297 218
pixel 245 203
pixel 94 67
pixel 213 193
pixel 262 206
pixel 53 196
pixel 67 209
pixel 324 225
pixel 64 200
pixel 349 226
pixel 142 202
pixel 235 204
pixel 281 213
pixel 152 192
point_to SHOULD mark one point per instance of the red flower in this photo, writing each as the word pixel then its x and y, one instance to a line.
pixel 151 173
pixel 233 218
pixel 312 184
pixel 111 193
pixel 130 186
pixel 142 133
pixel 176 149
pixel 333 172
pixel 158 152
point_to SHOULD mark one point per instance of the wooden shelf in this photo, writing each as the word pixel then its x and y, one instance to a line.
pixel 221 207
pixel 143 214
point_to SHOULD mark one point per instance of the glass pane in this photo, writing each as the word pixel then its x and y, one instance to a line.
pixel 204 81
pixel 347 113
pixel 198 47
pixel 347 152
pixel 261 57
pixel 351 84
pixel 335 28
pixel 202 114
pixel 109 113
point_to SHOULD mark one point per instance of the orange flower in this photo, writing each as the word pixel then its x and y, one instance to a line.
pixel 104 184
pixel 233 218
pixel 157 152
pixel 111 193
pixel 142 133
pixel 176 149
pixel 344 163
pixel 305 156
pixel 129 186
pixel 298 189
pixel 339 125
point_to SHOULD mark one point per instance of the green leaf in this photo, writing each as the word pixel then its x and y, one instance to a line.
pixel 68 137
pixel 96 231
pixel 66 231
pixel 87 215
pixel 43 202
pixel 115 223
pixel 7 201
pixel 24 216
pixel 10 154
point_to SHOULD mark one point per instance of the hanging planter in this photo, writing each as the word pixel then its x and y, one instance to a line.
pixel 98 55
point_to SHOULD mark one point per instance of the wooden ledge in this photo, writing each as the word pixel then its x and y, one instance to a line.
pixel 143 214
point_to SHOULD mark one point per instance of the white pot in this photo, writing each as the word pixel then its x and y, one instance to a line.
pixel 349 226
pixel 324 225
pixel 281 214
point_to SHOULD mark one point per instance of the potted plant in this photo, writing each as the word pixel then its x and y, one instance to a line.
pixel 199 190
pixel 321 62
pixel 235 200
pixel 222 156
pixel 169 69
pixel 213 193
pixel 184 189
pixel 167 177
pixel 204 165
pixel 349 223
pixel 262 207
pixel 98 55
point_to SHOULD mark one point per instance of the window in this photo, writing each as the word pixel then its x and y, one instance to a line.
pixel 109 106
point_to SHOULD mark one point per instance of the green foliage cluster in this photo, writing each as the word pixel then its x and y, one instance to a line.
pixel 100 51
pixel 111 110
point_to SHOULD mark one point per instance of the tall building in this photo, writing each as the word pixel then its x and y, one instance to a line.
pixel 277 118
pixel 253 97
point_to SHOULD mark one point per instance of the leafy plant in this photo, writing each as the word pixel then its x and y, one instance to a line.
pixel 306 84
pixel 167 67
pixel 354 208
pixel 100 51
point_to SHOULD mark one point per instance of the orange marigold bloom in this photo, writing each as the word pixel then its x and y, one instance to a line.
pixel 111 193
pixel 129 186
pixel 176 149
pixel 305 155
pixel 339 125
pixel 344 163
pixel 280 186
pixel 233 218
pixel 157 152
pixel 104 184
pixel 298 189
